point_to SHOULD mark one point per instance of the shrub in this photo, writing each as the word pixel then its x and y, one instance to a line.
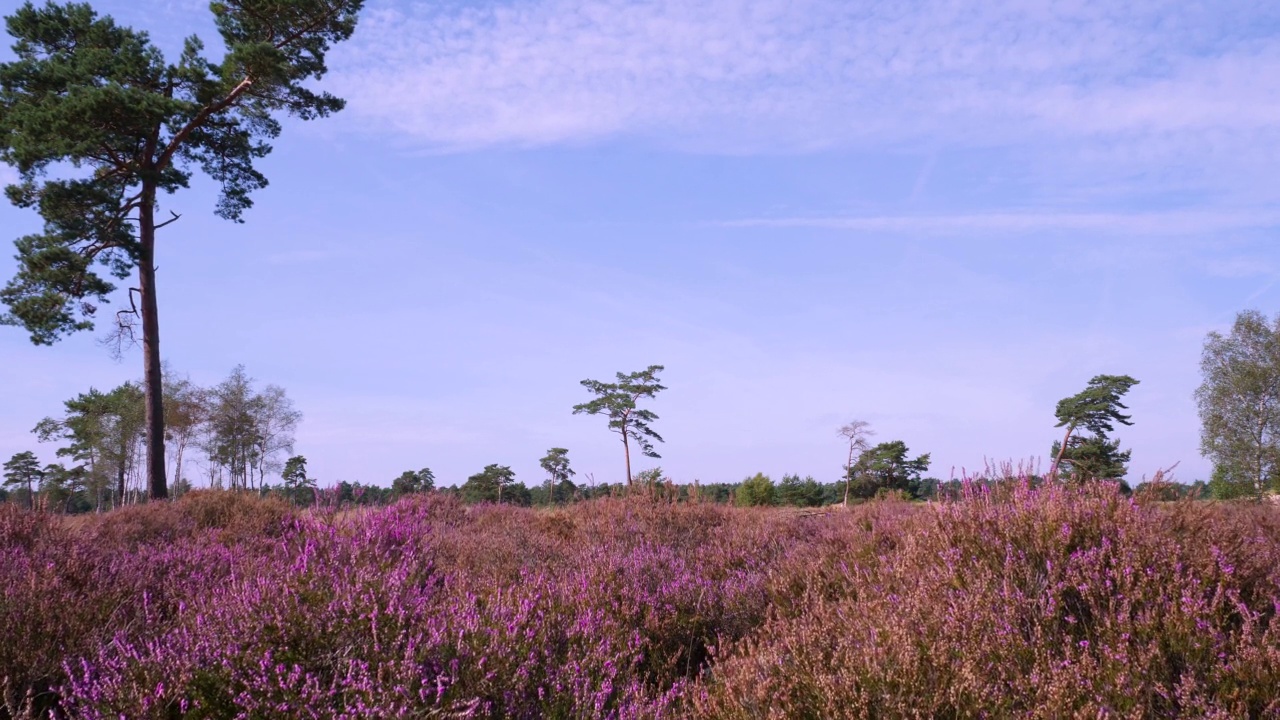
pixel 755 491
pixel 233 516
pixel 1012 601
pixel 1049 603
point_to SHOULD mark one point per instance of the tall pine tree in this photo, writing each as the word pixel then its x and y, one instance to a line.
pixel 99 125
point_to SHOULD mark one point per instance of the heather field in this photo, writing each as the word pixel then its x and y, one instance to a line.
pixel 1010 602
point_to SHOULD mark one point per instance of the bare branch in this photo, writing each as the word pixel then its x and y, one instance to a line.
pixel 170 221
pixel 205 113
pixel 123 337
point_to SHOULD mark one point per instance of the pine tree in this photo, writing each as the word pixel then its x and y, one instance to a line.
pixel 99 125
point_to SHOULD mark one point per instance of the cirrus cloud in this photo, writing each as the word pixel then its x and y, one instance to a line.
pixel 722 75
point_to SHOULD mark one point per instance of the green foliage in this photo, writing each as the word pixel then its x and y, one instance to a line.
pixel 565 491
pixel 562 493
pixel 556 464
pixel 1223 485
pixel 488 484
pixel 651 477
pixel 411 482
pixel 517 494
pixel 101 433
pixel 298 488
pixel 1092 457
pixel 755 491
pixel 88 93
pixel 1093 409
pixel 928 488
pixel 23 471
pixel 63 488
pixel 885 467
pixel 801 493
pixel 355 493
pixel 1097 406
pixel 179 487
pixel 617 401
pixel 247 429
pixel 187 408
pixel 714 492
pixel 240 431
pixel 294 474
pixel 1239 403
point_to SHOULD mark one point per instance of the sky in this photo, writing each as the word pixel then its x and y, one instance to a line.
pixel 935 216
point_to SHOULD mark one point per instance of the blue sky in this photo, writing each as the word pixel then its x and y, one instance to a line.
pixel 938 217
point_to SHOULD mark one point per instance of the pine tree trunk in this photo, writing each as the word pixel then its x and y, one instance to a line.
pixel 158 489
pixel 1062 451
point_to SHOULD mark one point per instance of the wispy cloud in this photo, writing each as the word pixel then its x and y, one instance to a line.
pixel 797 75
pixel 1240 267
pixel 1136 223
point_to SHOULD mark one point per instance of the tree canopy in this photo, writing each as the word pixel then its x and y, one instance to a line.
pixel 1091 457
pixel 617 401
pixel 1093 409
pixel 886 467
pixel 556 465
pixel 793 490
pixel 1239 404
pixel 247 430
pixel 756 491
pixel 103 433
pixel 489 484
pixel 241 434
pixel 23 471
pixel 413 481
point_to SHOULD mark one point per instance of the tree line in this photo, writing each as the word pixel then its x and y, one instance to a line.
pixel 231 435
pixel 237 436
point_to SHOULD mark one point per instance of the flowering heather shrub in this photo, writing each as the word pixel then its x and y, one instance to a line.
pixel 1011 602
pixel 1020 603
pixel 236 517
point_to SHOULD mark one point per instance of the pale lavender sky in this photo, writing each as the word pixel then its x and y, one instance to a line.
pixel 939 217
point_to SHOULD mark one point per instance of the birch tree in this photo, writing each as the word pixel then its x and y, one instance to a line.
pixel 1239 403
